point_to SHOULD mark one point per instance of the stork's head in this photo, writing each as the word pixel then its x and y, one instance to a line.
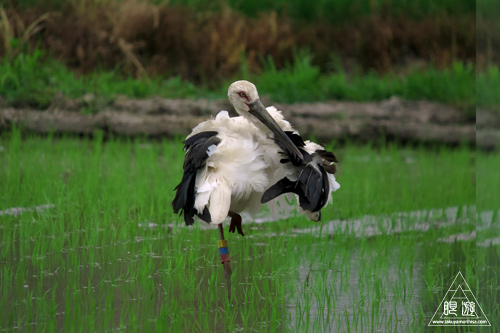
pixel 245 99
pixel 242 94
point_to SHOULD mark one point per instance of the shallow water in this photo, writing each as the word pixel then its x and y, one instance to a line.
pixel 355 307
pixel 360 274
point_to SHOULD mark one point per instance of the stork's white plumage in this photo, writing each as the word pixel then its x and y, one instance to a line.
pixel 235 164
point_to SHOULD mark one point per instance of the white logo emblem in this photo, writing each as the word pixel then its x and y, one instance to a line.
pixel 459 307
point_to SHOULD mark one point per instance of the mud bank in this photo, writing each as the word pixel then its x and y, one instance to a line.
pixel 396 119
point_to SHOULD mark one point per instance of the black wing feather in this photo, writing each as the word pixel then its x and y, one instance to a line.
pixel 297 141
pixel 196 155
pixel 312 185
pixel 327 155
pixel 285 185
pixel 329 160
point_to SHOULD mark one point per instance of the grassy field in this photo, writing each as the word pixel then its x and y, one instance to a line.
pixel 103 250
pixel 32 80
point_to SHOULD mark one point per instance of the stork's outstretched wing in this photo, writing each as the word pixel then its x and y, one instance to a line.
pixel 315 179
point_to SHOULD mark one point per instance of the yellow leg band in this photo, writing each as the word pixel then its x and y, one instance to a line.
pixel 222 243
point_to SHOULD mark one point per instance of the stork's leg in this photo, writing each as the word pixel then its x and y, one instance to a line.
pixel 235 223
pixel 224 259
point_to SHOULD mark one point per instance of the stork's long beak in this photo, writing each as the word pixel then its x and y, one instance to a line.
pixel 258 110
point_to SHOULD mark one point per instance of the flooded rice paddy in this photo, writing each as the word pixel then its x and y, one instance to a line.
pixel 88 242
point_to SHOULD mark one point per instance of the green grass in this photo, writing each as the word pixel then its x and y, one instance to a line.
pixel 34 80
pixel 487 87
pixel 111 254
pixel 488 182
pixel 304 82
pixel 488 227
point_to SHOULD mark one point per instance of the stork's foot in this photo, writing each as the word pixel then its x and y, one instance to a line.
pixel 235 223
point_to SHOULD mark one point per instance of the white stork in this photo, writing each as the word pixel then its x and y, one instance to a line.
pixel 235 164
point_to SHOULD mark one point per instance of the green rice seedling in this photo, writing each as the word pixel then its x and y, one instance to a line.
pixel 488 181
pixel 95 245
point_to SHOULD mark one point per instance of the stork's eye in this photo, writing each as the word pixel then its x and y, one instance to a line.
pixel 242 94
